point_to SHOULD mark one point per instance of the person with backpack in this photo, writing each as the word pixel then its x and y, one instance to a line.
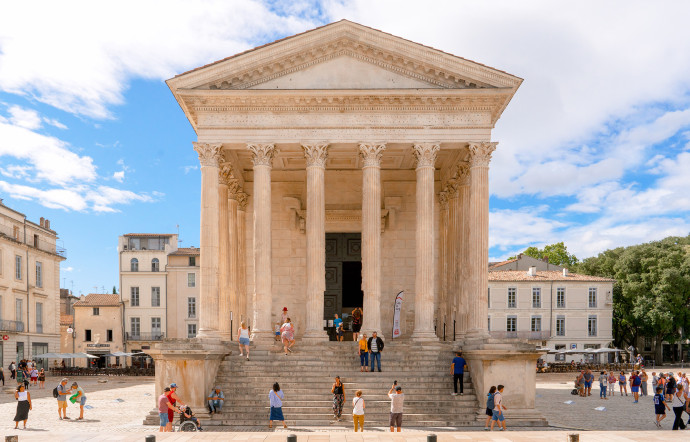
pixel 635 382
pixel 678 402
pixel 60 393
pixel 489 406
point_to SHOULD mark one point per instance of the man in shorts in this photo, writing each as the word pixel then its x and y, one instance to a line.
pixel 338 324
pixel 63 391
pixel 163 406
pixel 498 410
pixel 397 399
pixel 635 382
pixel 589 380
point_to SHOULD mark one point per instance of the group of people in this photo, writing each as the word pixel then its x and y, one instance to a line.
pixel 27 373
pixel 637 381
pixel 670 389
pixel 370 349
pixel 61 393
pixel 169 403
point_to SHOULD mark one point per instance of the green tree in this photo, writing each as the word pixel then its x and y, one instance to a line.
pixel 114 290
pixel 557 254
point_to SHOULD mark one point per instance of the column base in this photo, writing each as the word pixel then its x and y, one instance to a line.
pixel 313 336
pixel 224 336
pixel 476 335
pixel 208 334
pixel 261 338
pixel 426 335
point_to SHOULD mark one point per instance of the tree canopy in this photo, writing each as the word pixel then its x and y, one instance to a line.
pixel 557 254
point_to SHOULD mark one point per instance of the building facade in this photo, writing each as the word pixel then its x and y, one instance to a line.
pixel 97 328
pixel 29 287
pixel 183 293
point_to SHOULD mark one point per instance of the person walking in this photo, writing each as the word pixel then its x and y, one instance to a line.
pixel 457 370
pixel 284 315
pixel 338 399
pixel 2 376
pixel 287 332
pixel 489 406
pixel 499 408
pixel 216 399
pixel 678 404
pixel 42 379
pixel 243 338
pixel 79 396
pixel 164 406
pixel 635 382
pixel 622 383
pixel 358 407
pixel 33 374
pixel 660 406
pixel 655 381
pixel 612 383
pixel 174 399
pixel 363 352
pixel 276 397
pixel 13 370
pixel 62 391
pixel 670 386
pixel 643 386
pixel 338 324
pixel 397 400
pixel 375 345
pixel 23 405
pixel 603 381
pixel 356 323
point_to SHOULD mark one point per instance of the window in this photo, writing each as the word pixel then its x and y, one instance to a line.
pixel 155 265
pixel 1 262
pixel 87 335
pixel 191 279
pixel 536 324
pixel 592 297
pixel 96 311
pixel 560 325
pixel 191 307
pixel 191 330
pixel 560 297
pixel 135 327
pixel 592 326
pixel 16 233
pixel 155 326
pixel 488 324
pixel 512 297
pixel 155 296
pixel 109 335
pixel 39 317
pixel 39 274
pixel 18 310
pixel 560 357
pixel 536 297
pixel 134 265
pixel 488 297
pixel 511 324
pixel 18 267
pixel 647 343
pixel 134 296
pixel 192 261
pixel 36 241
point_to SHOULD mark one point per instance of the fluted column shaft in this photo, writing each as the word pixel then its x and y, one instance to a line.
pixel 316 155
pixel 224 275
pixel 463 247
pixel 371 235
pixel 443 264
pixel 262 157
pixel 452 255
pixel 209 156
pixel 242 258
pixel 425 154
pixel 233 260
pixel 480 156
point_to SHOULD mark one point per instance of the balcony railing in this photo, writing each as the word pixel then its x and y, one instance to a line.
pixel 40 244
pixel 528 335
pixel 145 336
pixel 11 326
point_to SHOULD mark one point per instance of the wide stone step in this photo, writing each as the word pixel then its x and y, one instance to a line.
pixel 455 402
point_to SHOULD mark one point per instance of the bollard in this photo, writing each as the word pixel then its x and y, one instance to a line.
pixel 292 438
pixel 14 438
pixel 573 437
pixel 150 438
pixel 430 438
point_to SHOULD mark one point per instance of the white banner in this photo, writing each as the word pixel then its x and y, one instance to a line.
pixel 396 314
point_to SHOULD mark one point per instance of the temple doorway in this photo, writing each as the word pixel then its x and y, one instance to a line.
pixel 343 277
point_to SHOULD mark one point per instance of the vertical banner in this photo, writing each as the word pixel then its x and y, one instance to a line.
pixel 396 314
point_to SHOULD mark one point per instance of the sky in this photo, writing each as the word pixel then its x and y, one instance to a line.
pixel 594 149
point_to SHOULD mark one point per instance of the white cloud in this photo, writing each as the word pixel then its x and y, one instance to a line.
pixel 188 169
pixel 511 228
pixel 26 118
pixel 67 269
pixel 119 176
pixel 54 122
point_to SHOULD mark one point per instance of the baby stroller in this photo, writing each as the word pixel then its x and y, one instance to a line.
pixel 188 423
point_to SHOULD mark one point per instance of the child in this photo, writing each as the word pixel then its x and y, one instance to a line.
pixel 489 407
pixel 603 380
pixel 189 415
pixel 276 331
pixel 34 376
pixel 660 406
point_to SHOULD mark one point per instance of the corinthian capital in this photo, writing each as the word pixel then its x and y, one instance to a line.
pixel 443 199
pixel 225 174
pixel 425 154
pixel 262 154
pixel 241 200
pixel 371 153
pixel 316 154
pixel 480 153
pixel 209 154
pixel 461 176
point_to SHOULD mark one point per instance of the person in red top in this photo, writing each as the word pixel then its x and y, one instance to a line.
pixel 173 398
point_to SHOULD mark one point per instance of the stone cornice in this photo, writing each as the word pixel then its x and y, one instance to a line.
pixel 209 153
pixel 425 154
pixel 371 153
pixel 262 153
pixel 480 153
pixel 316 154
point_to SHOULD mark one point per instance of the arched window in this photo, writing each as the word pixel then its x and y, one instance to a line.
pixel 154 265
pixel 134 265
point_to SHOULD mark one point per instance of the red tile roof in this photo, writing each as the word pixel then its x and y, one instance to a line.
pixel 498 264
pixel 66 319
pixel 148 234
pixel 551 275
pixel 190 251
pixel 99 300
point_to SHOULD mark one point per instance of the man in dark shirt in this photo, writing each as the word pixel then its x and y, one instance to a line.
pixel 375 348
pixel 457 369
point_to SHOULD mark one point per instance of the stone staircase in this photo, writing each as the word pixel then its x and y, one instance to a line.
pixel 306 377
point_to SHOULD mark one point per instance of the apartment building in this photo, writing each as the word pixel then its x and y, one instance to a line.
pixel 29 287
pixel 183 293
pixel 98 327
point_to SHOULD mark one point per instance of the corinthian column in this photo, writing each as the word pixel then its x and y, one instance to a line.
pixel 480 156
pixel 316 155
pixel 452 254
pixel 209 156
pixel 371 235
pixel 461 271
pixel 232 303
pixel 241 314
pixel 262 158
pixel 424 286
pixel 443 264
pixel 224 276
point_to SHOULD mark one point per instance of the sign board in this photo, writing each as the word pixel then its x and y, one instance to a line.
pixel 98 345
pixel 396 314
pixel 70 330
pixel 5 337
pixel 573 346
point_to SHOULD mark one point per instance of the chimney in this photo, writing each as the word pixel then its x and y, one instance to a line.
pixel 47 224
pixel 565 273
pixel 532 271
pixel 43 222
pixel 82 297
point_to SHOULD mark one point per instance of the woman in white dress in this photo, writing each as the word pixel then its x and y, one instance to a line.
pixel 23 405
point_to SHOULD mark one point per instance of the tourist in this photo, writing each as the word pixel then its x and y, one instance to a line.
pixel 489 406
pixel 580 384
pixel 660 406
pixel 338 399
pixel 42 379
pixel 498 415
pixel 589 380
pixel 243 338
pixel 62 391
pixel 397 400
pixel 164 407
pixel 275 397
pixel 678 403
pixel 635 382
pixel 276 331
pixel 284 315
pixel 457 370
pixel 603 381
pixel 34 376
pixel 20 377
pixel 670 386
pixel 173 398
pixel 356 323
pixel 643 385
pixel 358 410
pixel 612 383
pixel 363 352
pixel 13 370
pixel 189 416
pixel 287 332
pixel 375 345
pixel 2 376
pixel 216 399
pixel 622 386
pixel 338 324
pixel 23 405
pixel 79 396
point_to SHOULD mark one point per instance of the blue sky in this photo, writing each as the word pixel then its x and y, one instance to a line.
pixel 594 150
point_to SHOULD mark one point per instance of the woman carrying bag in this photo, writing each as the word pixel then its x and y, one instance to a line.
pixel 678 404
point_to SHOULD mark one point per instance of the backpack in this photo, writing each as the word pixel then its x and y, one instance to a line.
pixel 55 393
